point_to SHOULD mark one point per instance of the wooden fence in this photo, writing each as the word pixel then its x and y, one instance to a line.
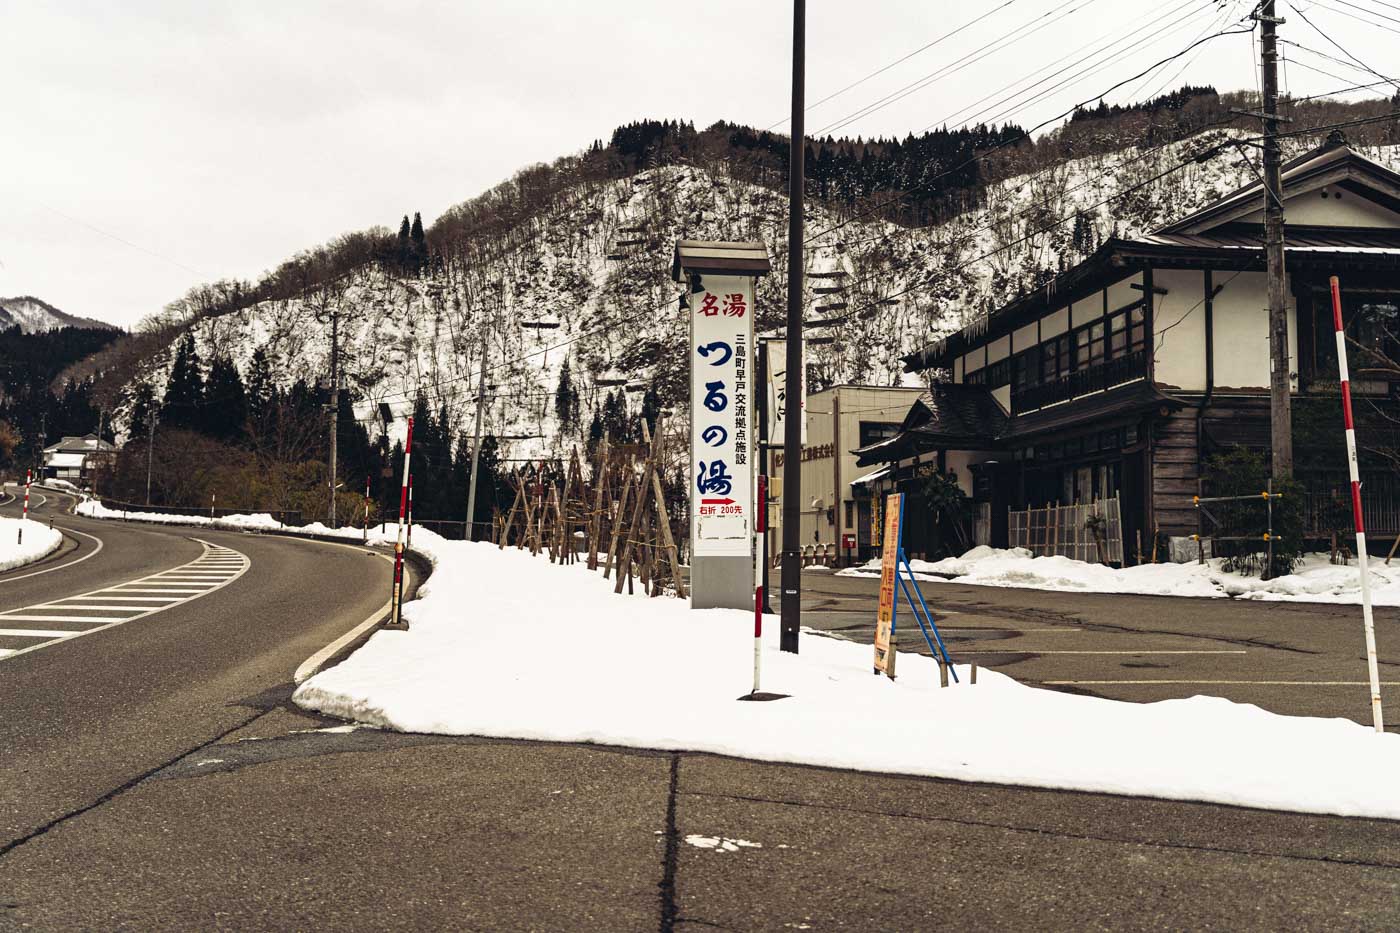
pixel 1066 531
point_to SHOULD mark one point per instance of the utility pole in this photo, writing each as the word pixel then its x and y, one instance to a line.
pixel 791 603
pixel 150 450
pixel 476 440
pixel 335 400
pixel 97 452
pixel 1280 401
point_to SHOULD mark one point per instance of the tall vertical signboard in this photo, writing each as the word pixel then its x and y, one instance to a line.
pixel 722 444
pixel 724 386
pixel 777 390
pixel 889 569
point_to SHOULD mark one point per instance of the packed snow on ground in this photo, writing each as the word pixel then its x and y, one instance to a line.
pixel 38 541
pixel 508 645
pixel 1316 580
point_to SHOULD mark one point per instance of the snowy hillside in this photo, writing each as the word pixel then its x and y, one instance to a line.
pixel 588 280
pixel 33 315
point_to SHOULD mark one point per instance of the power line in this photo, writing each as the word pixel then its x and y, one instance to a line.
pixel 970 58
pixel 1341 49
pixel 898 61
pixel 1025 135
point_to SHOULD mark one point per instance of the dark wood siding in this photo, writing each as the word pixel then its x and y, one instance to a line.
pixel 1175 470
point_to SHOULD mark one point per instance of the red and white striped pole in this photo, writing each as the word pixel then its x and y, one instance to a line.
pixel 760 526
pixel 28 478
pixel 396 598
pixel 1356 507
pixel 366 530
pixel 410 509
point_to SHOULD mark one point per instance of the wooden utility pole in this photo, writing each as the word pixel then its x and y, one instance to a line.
pixel 791 603
pixel 476 441
pixel 1280 401
pixel 335 402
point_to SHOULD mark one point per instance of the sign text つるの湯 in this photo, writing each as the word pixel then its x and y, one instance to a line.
pixel 721 391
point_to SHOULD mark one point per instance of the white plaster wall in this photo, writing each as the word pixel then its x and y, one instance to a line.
pixel 1348 211
pixel 1178 327
pixel 1242 332
pixel 1120 293
pixel 1024 338
pixel 1054 324
pixel 974 361
pixel 999 349
pixel 958 369
pixel 960 462
pixel 1003 397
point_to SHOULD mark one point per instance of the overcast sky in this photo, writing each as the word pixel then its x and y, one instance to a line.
pixel 152 145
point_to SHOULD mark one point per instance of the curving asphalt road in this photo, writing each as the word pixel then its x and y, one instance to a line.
pixel 84 717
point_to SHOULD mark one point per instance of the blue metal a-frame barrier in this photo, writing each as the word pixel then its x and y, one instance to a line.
pixel 925 619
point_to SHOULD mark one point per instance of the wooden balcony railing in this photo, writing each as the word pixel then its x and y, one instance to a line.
pixel 1093 379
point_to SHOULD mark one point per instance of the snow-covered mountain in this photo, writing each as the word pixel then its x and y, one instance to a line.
pixel 33 315
pixel 586 278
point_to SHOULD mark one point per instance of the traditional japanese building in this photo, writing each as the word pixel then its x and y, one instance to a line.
pixel 1121 375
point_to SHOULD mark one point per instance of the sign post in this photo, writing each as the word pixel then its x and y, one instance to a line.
pixel 723 444
pixel 892 562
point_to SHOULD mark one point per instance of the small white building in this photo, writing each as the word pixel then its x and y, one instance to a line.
pixel 840 419
pixel 73 458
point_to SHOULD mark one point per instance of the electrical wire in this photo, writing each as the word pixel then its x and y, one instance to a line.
pixel 898 61
pixel 1026 135
pixel 954 67
pixel 1342 49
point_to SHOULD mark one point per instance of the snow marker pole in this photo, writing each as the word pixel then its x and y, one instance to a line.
pixel 28 478
pixel 366 531
pixel 760 526
pixel 409 542
pixel 396 596
pixel 1356 506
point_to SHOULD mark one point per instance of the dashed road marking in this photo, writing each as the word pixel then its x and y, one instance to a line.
pixel 96 608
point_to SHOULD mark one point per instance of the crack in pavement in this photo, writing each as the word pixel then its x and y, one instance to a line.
pixel 1040 831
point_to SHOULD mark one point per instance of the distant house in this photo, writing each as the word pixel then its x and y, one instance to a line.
pixel 1117 379
pixel 73 458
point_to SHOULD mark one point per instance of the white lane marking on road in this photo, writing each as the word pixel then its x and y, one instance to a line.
pixel 134 599
pixel 29 617
pixel 163 589
pixel 6 652
pixel 965 650
pixel 1219 683
pixel 35 573
pixel 106 622
pixel 35 633
pixel 126 608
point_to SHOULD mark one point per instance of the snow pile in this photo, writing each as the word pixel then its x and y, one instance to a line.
pixel 503 644
pixel 39 541
pixel 1316 580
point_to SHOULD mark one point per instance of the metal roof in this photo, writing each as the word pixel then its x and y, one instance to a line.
pixel 720 258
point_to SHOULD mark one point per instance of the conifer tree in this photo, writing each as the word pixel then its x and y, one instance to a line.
pixel 184 392
pixel 418 244
pixel 225 413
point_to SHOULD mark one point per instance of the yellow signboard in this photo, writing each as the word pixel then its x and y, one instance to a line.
pixel 884 619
